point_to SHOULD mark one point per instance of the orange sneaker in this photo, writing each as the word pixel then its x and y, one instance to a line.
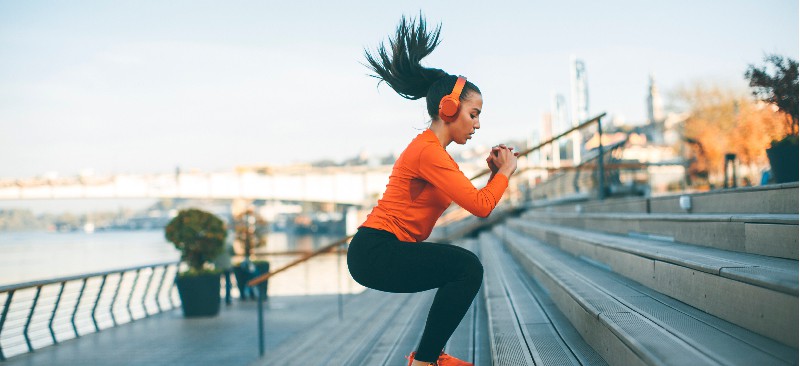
pixel 410 359
pixel 447 360
pixel 444 360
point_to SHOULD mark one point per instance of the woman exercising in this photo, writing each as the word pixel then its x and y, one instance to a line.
pixel 388 252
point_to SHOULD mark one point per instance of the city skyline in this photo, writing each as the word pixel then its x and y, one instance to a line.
pixel 150 87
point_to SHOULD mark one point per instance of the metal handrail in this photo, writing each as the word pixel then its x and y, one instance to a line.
pixel 263 278
pixel 83 304
pixel 24 285
pixel 266 276
pixel 550 141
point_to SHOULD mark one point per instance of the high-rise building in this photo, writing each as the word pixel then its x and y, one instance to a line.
pixel 655 108
pixel 655 113
pixel 558 109
pixel 580 91
pixel 580 103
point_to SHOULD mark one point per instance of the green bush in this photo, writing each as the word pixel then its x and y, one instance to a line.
pixel 199 235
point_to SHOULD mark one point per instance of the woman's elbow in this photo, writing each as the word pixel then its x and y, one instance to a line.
pixel 482 212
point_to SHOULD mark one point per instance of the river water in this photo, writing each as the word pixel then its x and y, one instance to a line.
pixel 31 256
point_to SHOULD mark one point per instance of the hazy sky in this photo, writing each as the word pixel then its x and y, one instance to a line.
pixel 145 86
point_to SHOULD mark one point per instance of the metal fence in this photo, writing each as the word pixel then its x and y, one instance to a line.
pixel 42 313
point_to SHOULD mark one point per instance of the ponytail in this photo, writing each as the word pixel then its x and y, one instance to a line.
pixel 401 68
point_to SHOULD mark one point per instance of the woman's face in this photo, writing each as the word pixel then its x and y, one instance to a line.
pixel 468 120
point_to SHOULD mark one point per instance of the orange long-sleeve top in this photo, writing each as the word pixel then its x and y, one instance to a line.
pixel 425 180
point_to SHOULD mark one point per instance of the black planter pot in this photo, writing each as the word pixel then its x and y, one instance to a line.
pixel 243 275
pixel 262 267
pixel 199 294
pixel 783 160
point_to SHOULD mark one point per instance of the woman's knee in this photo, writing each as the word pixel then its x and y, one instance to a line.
pixel 473 269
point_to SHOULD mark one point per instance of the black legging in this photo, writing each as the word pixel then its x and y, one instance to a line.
pixel 378 260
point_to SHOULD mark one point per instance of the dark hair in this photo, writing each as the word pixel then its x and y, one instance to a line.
pixel 403 72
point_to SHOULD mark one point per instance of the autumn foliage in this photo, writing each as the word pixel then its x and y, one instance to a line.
pixel 724 121
pixel 250 230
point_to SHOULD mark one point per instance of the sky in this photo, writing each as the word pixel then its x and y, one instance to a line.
pixel 148 86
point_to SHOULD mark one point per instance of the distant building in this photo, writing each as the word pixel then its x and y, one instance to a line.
pixel 580 91
pixel 655 108
pixel 558 110
pixel 580 103
pixel 655 113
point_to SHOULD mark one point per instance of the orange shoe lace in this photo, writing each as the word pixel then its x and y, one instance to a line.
pixel 447 360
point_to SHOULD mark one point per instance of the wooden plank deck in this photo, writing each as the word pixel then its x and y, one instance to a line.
pixel 170 339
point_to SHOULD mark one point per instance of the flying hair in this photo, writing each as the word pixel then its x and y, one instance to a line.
pixel 399 64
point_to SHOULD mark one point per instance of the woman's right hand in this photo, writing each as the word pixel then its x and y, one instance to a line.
pixel 505 160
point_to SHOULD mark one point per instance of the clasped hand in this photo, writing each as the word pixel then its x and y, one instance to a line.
pixel 502 159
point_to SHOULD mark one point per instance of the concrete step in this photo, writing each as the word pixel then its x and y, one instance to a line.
pixel 333 338
pixel 631 324
pixel 769 199
pixel 755 292
pixel 470 340
pixel 773 235
pixel 522 330
pixel 400 335
pixel 378 328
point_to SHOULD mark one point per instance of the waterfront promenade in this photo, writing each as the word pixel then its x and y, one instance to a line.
pixel 689 279
pixel 170 339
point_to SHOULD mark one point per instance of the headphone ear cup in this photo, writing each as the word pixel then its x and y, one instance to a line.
pixel 448 108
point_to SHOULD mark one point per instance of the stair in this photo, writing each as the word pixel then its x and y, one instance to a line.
pixel 646 284
pixel 631 324
pixel 616 282
pixel 764 234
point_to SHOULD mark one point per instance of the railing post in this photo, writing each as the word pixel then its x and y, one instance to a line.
pixel 158 290
pixel 55 309
pixel 172 287
pixel 339 281
pixel 261 323
pixel 130 297
pixel 75 311
pixel 601 194
pixel 114 298
pixel 3 320
pixel 146 289
pixel 30 316
pixel 97 301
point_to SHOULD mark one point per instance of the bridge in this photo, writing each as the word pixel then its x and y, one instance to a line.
pixel 342 185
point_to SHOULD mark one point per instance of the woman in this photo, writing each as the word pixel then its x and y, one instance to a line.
pixel 388 252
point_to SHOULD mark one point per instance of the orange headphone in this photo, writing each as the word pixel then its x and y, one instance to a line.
pixel 449 105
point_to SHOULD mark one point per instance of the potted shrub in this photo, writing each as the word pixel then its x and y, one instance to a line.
pixel 250 232
pixel 200 236
pixel 780 89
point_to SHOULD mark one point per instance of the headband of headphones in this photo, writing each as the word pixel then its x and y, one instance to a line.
pixel 449 105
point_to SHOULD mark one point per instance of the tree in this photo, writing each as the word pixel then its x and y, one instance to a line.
pixel 779 88
pixel 723 121
pixel 250 230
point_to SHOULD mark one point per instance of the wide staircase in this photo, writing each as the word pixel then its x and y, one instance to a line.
pixel 697 279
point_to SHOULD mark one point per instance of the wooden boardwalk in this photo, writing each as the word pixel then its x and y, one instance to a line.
pixel 170 339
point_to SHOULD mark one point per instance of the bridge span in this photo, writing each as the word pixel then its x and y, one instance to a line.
pixel 353 185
